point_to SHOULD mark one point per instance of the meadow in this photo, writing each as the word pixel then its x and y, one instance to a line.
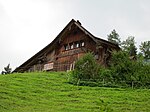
pixel 51 92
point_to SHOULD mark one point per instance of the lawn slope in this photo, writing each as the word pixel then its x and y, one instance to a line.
pixel 50 92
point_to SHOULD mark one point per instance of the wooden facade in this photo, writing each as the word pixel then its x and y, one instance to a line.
pixel 72 43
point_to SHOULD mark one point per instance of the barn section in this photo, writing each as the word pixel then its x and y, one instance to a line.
pixel 71 44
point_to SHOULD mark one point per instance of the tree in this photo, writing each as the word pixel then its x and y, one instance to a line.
pixel 121 65
pixel 7 69
pixel 129 46
pixel 124 69
pixel 114 37
pixel 140 56
pixel 145 49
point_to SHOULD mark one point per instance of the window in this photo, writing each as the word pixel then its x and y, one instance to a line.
pixel 48 66
pixel 77 45
pixel 82 44
pixel 71 46
pixel 66 47
pixel 96 55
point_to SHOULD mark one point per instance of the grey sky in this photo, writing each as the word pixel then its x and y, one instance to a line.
pixel 26 26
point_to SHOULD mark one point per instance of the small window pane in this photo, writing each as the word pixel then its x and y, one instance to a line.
pixel 82 44
pixel 71 46
pixel 66 47
pixel 77 45
pixel 96 56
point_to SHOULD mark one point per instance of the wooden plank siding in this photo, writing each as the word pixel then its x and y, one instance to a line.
pixel 65 58
pixel 72 43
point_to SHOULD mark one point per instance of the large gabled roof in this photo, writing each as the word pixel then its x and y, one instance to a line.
pixel 54 42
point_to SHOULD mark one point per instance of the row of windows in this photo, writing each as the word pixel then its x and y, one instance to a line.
pixel 74 45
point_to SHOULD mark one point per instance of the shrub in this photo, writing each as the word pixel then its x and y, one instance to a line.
pixel 142 73
pixel 105 75
pixel 86 68
pixel 123 72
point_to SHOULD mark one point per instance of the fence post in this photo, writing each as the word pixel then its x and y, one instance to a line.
pixel 132 84
pixel 78 82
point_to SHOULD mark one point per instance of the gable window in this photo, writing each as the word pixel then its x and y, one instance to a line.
pixel 66 47
pixel 82 44
pixel 71 46
pixel 77 45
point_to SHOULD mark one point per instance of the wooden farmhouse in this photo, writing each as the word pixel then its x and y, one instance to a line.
pixel 70 44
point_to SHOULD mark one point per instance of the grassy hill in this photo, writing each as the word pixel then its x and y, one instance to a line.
pixel 50 92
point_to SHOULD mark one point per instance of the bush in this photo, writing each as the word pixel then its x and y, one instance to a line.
pixel 123 72
pixel 105 75
pixel 88 72
pixel 86 68
pixel 142 73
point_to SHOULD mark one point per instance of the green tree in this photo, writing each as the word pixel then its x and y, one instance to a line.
pixel 124 69
pixel 145 49
pixel 140 56
pixel 129 46
pixel 121 66
pixel 114 37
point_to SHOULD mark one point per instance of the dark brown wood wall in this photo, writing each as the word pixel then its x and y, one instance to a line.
pixel 64 58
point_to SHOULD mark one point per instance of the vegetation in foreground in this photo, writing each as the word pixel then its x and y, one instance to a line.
pixel 124 68
pixel 50 92
pixel 122 72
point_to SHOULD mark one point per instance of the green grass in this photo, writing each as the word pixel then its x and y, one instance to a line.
pixel 50 92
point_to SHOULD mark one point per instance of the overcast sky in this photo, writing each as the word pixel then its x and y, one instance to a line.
pixel 26 26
